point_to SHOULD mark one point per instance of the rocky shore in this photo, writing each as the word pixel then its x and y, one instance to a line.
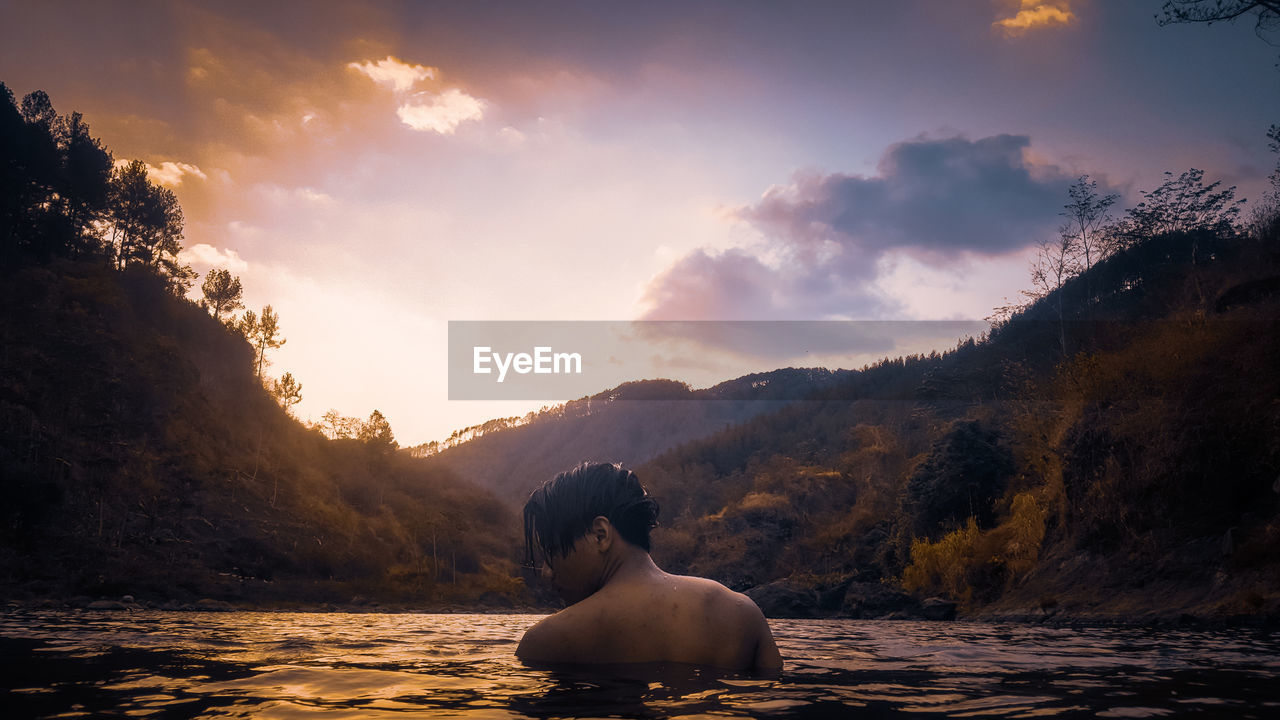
pixel 129 603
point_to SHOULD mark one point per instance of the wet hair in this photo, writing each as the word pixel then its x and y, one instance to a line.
pixel 561 511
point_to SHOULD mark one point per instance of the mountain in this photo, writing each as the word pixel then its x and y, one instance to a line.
pixel 629 424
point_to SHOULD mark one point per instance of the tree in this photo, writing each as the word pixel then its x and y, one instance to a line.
pixel 1087 217
pixel 1273 134
pixel 287 391
pixel 53 179
pixel 1264 217
pixel 1212 11
pixel 263 333
pixel 377 432
pixel 146 225
pixel 222 292
pixel 85 180
pixel 1056 261
pixel 1183 205
pixel 337 426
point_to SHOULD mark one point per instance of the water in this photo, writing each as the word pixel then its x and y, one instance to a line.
pixel 70 664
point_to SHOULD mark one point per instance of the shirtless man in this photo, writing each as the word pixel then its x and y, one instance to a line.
pixel 591 525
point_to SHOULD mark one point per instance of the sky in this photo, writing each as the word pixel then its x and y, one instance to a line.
pixel 376 170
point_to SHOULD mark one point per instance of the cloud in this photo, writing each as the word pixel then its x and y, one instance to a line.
pixel 828 240
pixel 441 113
pixel 512 136
pixel 395 74
pixel 169 173
pixel 1036 14
pixel 280 196
pixel 936 196
pixel 208 256
pixel 172 173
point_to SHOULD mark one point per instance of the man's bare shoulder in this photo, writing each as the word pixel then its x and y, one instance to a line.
pixel 550 639
pixel 563 635
pixel 718 596
pixel 740 614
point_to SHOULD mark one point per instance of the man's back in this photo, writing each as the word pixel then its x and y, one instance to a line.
pixel 590 525
pixel 657 617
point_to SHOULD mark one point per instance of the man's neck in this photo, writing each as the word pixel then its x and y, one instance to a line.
pixel 629 564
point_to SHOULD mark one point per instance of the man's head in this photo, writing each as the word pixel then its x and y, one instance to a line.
pixel 602 500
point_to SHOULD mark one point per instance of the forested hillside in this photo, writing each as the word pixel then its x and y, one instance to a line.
pixel 1111 449
pixel 141 450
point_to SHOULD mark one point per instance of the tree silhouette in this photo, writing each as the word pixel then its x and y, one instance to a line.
pixel 1264 217
pixel 1183 205
pixel 263 333
pixel 1087 218
pixel 53 179
pixel 146 225
pixel 337 426
pixel 1212 11
pixel 222 292
pixel 1273 134
pixel 1056 261
pixel 85 181
pixel 377 432
pixel 287 391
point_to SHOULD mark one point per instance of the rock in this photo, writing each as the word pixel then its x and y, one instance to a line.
pixel 938 609
pixel 107 605
pixel 127 599
pixel 785 599
pixel 495 600
pixel 211 605
pixel 875 600
pixel 831 597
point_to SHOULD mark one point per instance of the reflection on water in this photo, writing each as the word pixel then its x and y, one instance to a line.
pixel 334 665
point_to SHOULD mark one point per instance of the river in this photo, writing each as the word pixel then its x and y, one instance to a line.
pixel 69 664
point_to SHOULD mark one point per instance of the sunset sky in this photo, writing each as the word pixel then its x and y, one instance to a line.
pixel 376 170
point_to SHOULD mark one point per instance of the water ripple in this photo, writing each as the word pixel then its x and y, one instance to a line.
pixel 303 665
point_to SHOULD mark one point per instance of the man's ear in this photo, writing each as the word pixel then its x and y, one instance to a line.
pixel 602 532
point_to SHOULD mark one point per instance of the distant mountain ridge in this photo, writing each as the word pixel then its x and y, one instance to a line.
pixel 630 423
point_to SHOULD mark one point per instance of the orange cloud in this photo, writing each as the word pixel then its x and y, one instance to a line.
pixel 1036 14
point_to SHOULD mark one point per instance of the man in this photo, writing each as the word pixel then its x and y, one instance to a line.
pixel 591 525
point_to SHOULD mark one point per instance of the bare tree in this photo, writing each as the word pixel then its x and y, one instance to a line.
pixel 1056 262
pixel 1267 12
pixel 1087 215
pixel 1212 11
